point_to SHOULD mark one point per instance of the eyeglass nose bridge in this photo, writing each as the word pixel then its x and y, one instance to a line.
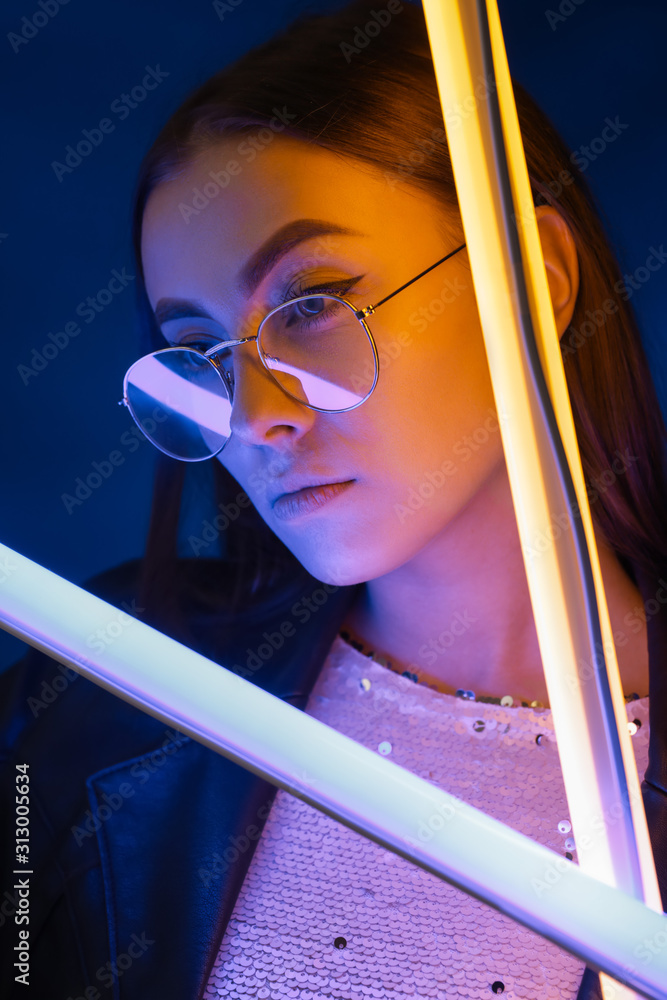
pixel 226 377
pixel 228 343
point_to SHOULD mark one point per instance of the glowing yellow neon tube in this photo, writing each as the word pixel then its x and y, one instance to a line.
pixel 503 244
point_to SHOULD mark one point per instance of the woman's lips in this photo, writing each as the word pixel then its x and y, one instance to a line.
pixel 307 500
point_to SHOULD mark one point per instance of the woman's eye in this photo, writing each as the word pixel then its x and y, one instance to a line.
pixel 199 334
pixel 314 292
pixel 311 307
pixel 197 345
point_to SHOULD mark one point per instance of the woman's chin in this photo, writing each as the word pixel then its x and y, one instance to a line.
pixel 342 570
pixel 344 566
pixel 335 575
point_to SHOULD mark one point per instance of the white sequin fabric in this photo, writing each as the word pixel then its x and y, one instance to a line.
pixel 326 913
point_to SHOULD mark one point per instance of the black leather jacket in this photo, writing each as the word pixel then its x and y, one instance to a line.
pixel 141 837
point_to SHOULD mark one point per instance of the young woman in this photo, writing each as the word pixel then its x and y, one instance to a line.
pixel 368 567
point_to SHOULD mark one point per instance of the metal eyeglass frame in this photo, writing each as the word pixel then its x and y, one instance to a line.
pixel 360 314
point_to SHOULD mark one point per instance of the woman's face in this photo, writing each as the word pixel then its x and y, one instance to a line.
pixel 426 440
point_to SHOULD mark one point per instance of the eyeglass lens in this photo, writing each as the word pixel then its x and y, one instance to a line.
pixel 191 398
pixel 314 346
pixel 319 352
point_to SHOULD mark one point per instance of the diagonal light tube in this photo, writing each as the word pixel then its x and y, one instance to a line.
pixel 539 441
pixel 356 786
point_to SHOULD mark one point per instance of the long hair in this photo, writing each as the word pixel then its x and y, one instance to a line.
pixel 372 95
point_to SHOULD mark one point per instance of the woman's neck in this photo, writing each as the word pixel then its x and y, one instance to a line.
pixel 459 613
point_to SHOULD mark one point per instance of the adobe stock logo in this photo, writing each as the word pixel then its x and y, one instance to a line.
pixel 222 7
pixel 121 106
pixel 30 26
pixel 248 148
pixel 88 309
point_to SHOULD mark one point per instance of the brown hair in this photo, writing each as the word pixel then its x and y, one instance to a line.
pixel 376 100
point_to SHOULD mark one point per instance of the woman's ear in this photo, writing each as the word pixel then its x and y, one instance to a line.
pixel 561 262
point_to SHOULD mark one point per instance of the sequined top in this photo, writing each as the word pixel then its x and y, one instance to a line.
pixel 326 913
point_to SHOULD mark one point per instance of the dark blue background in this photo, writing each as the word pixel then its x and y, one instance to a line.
pixel 60 241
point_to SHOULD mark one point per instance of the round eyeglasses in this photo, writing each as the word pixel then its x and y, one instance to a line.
pixel 317 347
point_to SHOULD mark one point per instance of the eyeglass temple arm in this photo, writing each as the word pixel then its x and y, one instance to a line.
pixel 371 309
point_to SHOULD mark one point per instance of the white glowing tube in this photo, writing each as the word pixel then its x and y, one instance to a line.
pixel 498 215
pixel 360 788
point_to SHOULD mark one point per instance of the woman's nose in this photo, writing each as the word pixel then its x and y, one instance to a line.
pixel 262 412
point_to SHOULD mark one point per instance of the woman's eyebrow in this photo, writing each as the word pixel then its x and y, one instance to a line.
pixel 168 309
pixel 280 243
pixel 258 265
